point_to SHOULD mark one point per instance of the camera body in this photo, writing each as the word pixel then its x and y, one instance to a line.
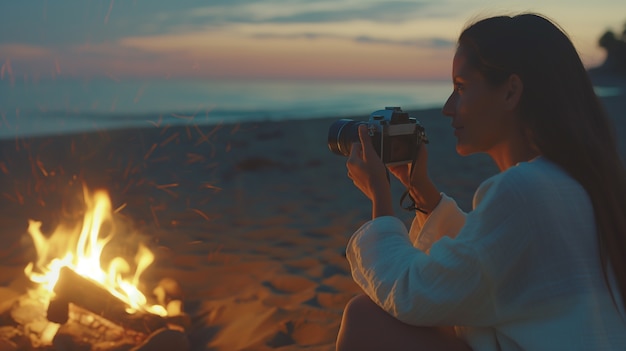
pixel 395 136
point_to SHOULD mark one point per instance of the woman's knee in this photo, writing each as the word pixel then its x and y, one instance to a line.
pixel 355 315
pixel 360 309
pixel 366 326
pixel 362 324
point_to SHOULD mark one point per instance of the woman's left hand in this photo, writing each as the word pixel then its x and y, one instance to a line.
pixel 368 173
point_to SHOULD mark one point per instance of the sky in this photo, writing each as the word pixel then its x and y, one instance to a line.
pixel 248 39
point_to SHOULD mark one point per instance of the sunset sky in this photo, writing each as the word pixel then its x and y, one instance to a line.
pixel 265 38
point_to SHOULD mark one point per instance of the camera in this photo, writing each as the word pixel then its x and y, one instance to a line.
pixel 395 136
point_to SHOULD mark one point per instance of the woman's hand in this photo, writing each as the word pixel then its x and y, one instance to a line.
pixel 368 173
pixel 420 174
pixel 403 172
pixel 420 186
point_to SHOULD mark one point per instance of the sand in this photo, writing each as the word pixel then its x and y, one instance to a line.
pixel 251 219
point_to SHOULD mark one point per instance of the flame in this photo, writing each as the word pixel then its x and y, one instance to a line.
pixel 80 249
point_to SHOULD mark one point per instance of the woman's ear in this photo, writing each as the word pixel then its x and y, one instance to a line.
pixel 513 90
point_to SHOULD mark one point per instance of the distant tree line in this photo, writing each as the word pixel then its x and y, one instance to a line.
pixel 615 46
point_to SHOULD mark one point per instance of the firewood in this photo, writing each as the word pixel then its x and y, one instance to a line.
pixel 75 289
pixel 164 340
pixel 58 311
pixel 86 331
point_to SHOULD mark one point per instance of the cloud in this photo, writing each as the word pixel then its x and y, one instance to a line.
pixel 72 22
pixel 432 43
pixel 296 36
pixel 393 11
pixel 290 11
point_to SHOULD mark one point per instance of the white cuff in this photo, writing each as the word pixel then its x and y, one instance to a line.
pixel 446 219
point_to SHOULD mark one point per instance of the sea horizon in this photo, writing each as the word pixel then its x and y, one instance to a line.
pixel 49 107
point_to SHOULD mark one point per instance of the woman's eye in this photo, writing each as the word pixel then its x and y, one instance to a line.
pixel 458 87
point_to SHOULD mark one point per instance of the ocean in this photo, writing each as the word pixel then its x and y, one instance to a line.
pixel 64 106
pixel 51 107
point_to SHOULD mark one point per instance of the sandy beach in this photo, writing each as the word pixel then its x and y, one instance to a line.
pixel 251 219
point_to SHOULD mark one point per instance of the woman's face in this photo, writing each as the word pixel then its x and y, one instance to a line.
pixel 479 114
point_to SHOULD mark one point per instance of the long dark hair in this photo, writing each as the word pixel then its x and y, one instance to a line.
pixel 566 120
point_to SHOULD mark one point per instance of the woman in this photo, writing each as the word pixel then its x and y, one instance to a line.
pixel 540 263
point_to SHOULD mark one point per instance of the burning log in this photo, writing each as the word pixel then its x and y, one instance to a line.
pixel 73 288
pixel 86 331
pixel 24 324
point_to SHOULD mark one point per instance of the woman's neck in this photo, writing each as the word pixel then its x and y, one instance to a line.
pixel 516 150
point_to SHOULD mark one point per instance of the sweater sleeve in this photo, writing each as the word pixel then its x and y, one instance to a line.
pixel 443 288
pixel 446 219
pixel 450 285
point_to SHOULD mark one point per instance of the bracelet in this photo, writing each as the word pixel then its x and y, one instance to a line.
pixel 411 206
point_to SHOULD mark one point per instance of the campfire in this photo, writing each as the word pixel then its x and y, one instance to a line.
pixel 77 302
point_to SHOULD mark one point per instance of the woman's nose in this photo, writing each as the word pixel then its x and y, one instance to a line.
pixel 449 107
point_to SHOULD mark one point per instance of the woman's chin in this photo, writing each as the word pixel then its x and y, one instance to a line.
pixel 464 150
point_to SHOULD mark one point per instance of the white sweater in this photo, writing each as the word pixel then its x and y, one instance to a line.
pixel 519 272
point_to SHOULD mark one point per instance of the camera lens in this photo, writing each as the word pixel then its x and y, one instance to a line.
pixel 342 134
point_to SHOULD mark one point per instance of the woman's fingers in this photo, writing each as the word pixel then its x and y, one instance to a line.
pixel 355 153
pixel 359 151
pixel 401 172
pixel 366 142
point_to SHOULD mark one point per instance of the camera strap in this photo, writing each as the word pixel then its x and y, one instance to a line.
pixel 411 206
